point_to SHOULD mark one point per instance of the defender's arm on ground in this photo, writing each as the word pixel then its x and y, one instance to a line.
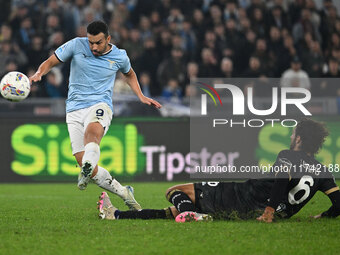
pixel 334 210
pixel 131 79
pixel 44 68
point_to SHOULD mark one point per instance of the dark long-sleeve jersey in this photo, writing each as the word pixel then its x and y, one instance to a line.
pixel 293 181
pixel 298 177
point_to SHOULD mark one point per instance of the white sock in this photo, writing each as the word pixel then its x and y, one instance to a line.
pixel 92 153
pixel 104 180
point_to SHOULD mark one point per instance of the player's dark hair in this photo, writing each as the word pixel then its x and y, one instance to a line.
pixel 312 134
pixel 97 27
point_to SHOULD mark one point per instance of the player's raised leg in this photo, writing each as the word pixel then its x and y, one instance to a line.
pixel 96 121
pixel 93 135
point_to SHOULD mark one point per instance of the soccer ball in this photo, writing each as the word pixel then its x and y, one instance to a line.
pixel 15 86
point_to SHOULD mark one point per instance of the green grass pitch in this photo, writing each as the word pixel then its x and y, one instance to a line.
pixel 59 219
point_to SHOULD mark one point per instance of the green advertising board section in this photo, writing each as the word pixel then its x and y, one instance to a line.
pixel 44 150
pixel 155 149
pixel 133 149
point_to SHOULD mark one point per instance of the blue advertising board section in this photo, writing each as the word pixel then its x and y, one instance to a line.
pixel 139 149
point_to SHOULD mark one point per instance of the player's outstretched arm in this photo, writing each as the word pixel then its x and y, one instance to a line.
pixel 334 210
pixel 44 68
pixel 131 79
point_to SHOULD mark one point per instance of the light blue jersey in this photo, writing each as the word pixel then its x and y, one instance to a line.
pixel 91 77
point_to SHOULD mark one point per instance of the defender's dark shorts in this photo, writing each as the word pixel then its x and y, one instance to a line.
pixel 212 197
pixel 229 198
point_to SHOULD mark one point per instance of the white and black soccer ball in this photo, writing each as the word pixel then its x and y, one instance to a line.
pixel 15 86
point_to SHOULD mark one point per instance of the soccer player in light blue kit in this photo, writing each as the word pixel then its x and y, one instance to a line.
pixel 94 64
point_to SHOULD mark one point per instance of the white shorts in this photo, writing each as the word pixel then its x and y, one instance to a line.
pixel 77 122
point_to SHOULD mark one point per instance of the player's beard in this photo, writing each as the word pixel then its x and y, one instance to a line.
pixel 97 53
pixel 100 53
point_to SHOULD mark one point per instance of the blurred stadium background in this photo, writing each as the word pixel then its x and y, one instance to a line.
pixel 170 43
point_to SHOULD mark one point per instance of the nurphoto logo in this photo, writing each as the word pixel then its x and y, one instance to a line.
pixel 300 97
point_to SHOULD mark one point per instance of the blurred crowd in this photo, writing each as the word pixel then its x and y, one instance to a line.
pixel 171 42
